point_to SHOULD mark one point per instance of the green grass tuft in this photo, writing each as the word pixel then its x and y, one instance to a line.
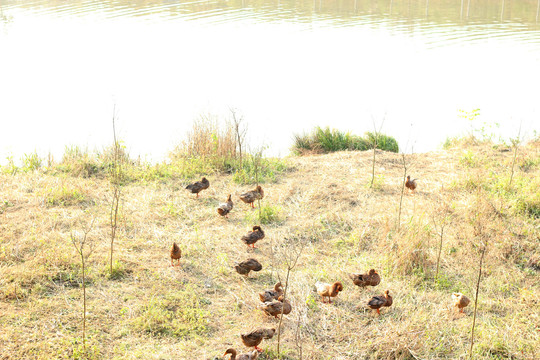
pixel 181 315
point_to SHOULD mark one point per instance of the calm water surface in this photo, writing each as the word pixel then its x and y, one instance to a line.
pixel 286 66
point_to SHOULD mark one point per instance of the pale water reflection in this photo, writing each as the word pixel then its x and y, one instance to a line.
pixel 285 65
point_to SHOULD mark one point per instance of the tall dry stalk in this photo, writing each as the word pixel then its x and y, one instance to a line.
pixel 441 219
pixel 301 311
pixel 80 245
pixel 406 166
pixel 256 158
pixel 374 143
pixel 476 297
pixel 481 222
pixel 515 143
pixel 116 182
pixel 290 254
pixel 240 130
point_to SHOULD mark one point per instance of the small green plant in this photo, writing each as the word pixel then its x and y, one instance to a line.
pixel 172 210
pixel 469 159
pixel 378 182
pixel 267 214
pixel 10 168
pixel 268 171
pixel 119 271
pixel 67 195
pixel 31 162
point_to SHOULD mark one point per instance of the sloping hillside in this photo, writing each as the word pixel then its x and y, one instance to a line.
pixel 323 206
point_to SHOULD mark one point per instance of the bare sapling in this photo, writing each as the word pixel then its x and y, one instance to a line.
pixel 290 252
pixel 257 167
pixel 483 252
pixel 116 182
pixel 441 218
pixel 240 130
pixel 301 314
pixel 406 167
pixel 480 221
pixel 374 144
pixel 84 248
pixel 515 144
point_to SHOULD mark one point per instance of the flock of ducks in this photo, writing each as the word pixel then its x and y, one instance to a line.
pixel 273 301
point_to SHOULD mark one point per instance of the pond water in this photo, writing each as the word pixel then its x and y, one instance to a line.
pixel 284 65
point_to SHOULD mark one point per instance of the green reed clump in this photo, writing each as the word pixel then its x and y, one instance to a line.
pixel 384 142
pixel 325 140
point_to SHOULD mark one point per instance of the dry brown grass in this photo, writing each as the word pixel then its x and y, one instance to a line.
pixel 153 311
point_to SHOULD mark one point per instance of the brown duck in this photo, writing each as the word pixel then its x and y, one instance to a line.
pixel 225 208
pixel 198 186
pixel 275 307
pixel 370 278
pixel 250 196
pixel 247 356
pixel 460 301
pixel 254 338
pixel 272 294
pixel 378 302
pixel 253 236
pixel 328 290
pixel 248 265
pixel 410 184
pixel 176 254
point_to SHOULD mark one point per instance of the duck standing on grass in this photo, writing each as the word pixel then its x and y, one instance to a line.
pixel 246 266
pixel 410 184
pixel 254 338
pixel 247 356
pixel 378 302
pixel 250 196
pixel 253 236
pixel 328 290
pixel 198 186
pixel 272 294
pixel 176 254
pixel 225 208
pixel 370 278
pixel 460 301
pixel 276 307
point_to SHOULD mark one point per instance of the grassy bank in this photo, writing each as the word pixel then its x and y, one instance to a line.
pixel 148 310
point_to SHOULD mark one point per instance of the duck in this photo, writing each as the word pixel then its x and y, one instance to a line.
pixel 176 254
pixel 253 236
pixel 275 307
pixel 198 186
pixel 246 266
pixel 370 278
pixel 254 338
pixel 250 196
pixel 225 208
pixel 378 302
pixel 329 290
pixel 246 356
pixel 410 184
pixel 460 301
pixel 272 294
